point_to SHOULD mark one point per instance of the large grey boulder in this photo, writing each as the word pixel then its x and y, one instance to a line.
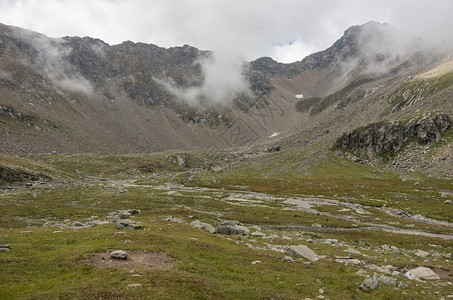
pixel 302 251
pixel 202 225
pixel 422 273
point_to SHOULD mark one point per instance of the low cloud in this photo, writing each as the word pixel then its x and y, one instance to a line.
pixel 51 59
pixel 223 81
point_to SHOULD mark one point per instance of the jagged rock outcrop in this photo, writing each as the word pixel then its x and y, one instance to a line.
pixel 11 175
pixel 385 139
pixel 373 139
pixel 429 129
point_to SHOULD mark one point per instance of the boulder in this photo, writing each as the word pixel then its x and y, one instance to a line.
pixel 118 254
pixel 422 273
pixel 370 283
pixel 127 224
pixel 203 225
pixel 232 228
pixel 302 251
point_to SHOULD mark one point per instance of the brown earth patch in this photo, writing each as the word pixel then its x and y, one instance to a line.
pixel 135 258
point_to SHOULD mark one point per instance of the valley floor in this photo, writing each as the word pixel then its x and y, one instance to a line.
pixel 192 233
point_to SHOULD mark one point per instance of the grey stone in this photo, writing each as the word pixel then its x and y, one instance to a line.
pixel 421 254
pixel 288 258
pixel 349 261
pixel 118 254
pixel 232 228
pixel 4 249
pixel 422 273
pixel 203 225
pixel 172 219
pixel 370 283
pixel 353 251
pixel 258 234
pixel 133 285
pixel 182 162
pixel 127 224
pixel 125 215
pixel 391 281
pixel 448 202
pixel 5 246
pixel 272 236
pixel 302 251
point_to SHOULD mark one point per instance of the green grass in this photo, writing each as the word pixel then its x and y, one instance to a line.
pixel 44 265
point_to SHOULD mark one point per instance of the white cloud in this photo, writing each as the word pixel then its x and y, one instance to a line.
pixel 286 30
pixel 292 52
pixel 247 28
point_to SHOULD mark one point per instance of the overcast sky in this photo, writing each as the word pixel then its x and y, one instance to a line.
pixel 286 30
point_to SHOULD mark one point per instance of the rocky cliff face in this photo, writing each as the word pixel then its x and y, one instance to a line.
pixel 386 139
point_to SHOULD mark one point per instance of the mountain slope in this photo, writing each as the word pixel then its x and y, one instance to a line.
pixel 83 95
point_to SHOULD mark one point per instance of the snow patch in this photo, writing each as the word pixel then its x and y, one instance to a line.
pixel 300 96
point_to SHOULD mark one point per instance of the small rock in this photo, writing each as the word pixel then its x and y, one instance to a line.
pixel 353 251
pixel 172 219
pixel 288 259
pixel 349 261
pixel 125 215
pixel 133 285
pixel 421 254
pixel 203 225
pixel 256 262
pixel 4 250
pixel 258 234
pixel 275 148
pixel 272 236
pixel 5 246
pixel 448 202
pixel 181 160
pixel 316 225
pixel 118 254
